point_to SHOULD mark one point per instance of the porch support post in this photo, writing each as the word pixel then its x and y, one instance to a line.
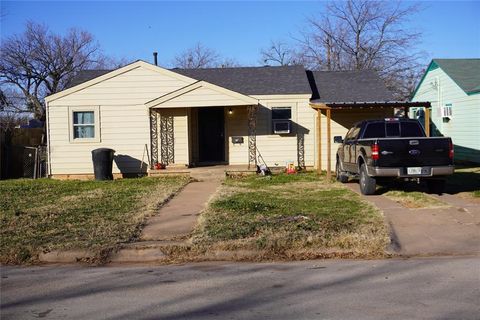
pixel 252 135
pixel 329 148
pixel 153 137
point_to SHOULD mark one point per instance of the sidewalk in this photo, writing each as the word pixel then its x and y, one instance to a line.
pixel 446 231
pixel 171 226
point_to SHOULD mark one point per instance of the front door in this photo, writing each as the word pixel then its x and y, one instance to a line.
pixel 211 135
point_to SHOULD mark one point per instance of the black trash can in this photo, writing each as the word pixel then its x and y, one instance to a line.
pixel 102 163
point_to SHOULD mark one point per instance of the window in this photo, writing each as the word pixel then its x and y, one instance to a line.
pixel 412 129
pixel 374 130
pixel 281 113
pixel 84 124
pixel 393 129
pixel 353 133
pixel 281 120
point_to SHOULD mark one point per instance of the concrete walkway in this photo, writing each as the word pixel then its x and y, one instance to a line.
pixel 172 225
pixel 177 218
pixel 442 231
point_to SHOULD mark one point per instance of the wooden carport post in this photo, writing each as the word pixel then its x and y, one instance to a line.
pixel 319 141
pixel 329 151
pixel 319 107
pixel 427 121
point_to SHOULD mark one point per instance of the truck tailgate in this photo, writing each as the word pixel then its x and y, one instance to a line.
pixel 414 152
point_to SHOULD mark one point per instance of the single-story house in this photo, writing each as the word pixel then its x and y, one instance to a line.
pixel 453 88
pixel 191 117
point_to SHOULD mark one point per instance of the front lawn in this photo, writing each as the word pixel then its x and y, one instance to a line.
pixel 292 217
pixel 43 215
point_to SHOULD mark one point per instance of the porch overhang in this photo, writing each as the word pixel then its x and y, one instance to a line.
pixel 201 94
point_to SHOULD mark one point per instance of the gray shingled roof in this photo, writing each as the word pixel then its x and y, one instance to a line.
pixel 324 86
pixel 254 80
pixel 246 80
pixel 465 72
pixel 349 86
pixel 85 75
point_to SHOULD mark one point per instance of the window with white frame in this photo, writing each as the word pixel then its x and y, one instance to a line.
pixel 84 124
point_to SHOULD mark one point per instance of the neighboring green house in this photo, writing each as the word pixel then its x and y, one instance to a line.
pixel 453 88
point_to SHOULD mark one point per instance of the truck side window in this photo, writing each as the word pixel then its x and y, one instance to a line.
pixel 352 133
pixel 412 129
pixel 349 134
pixel 355 133
pixel 374 130
pixel 392 129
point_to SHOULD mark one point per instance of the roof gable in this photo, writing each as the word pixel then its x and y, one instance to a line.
pixel 103 75
pixel 190 95
pixel 464 72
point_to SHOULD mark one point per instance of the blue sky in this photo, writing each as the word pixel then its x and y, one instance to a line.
pixel 133 30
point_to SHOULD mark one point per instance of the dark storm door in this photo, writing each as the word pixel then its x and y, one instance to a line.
pixel 211 136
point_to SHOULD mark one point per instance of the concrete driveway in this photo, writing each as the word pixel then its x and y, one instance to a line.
pixel 441 231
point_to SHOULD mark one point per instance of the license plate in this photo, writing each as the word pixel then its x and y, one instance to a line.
pixel 414 170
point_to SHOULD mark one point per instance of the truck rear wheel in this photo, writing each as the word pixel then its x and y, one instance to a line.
pixel 368 184
pixel 436 186
pixel 340 175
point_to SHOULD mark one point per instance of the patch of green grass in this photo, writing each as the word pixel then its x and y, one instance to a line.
pixel 414 199
pixel 284 214
pixel 47 214
pixel 258 182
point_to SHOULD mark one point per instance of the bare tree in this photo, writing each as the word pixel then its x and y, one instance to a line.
pixel 200 56
pixel 362 34
pixel 278 53
pixel 39 62
pixel 197 57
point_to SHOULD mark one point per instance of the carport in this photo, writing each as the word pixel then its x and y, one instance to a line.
pixel 357 111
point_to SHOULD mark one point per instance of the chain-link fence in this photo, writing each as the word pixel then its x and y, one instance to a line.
pixel 18 161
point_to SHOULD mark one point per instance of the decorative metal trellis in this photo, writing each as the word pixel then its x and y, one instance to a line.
pixel 301 150
pixel 252 135
pixel 167 148
pixel 153 137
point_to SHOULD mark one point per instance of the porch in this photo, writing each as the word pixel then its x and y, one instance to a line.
pixel 202 124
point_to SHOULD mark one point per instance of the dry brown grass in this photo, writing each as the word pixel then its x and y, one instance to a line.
pixel 44 215
pixel 284 218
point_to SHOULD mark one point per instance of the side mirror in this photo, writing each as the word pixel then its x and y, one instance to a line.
pixel 337 139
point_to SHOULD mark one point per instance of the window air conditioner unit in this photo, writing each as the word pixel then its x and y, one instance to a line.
pixel 281 126
pixel 447 111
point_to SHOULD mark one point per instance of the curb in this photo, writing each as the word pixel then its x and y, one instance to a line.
pixel 66 256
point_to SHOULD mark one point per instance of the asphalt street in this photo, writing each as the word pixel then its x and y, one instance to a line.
pixel 420 288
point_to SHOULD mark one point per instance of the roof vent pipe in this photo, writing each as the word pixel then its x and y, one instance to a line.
pixel 155 61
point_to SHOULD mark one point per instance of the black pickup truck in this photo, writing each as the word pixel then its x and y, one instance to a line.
pixel 393 148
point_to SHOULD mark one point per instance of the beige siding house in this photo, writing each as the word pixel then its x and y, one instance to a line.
pixel 184 118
